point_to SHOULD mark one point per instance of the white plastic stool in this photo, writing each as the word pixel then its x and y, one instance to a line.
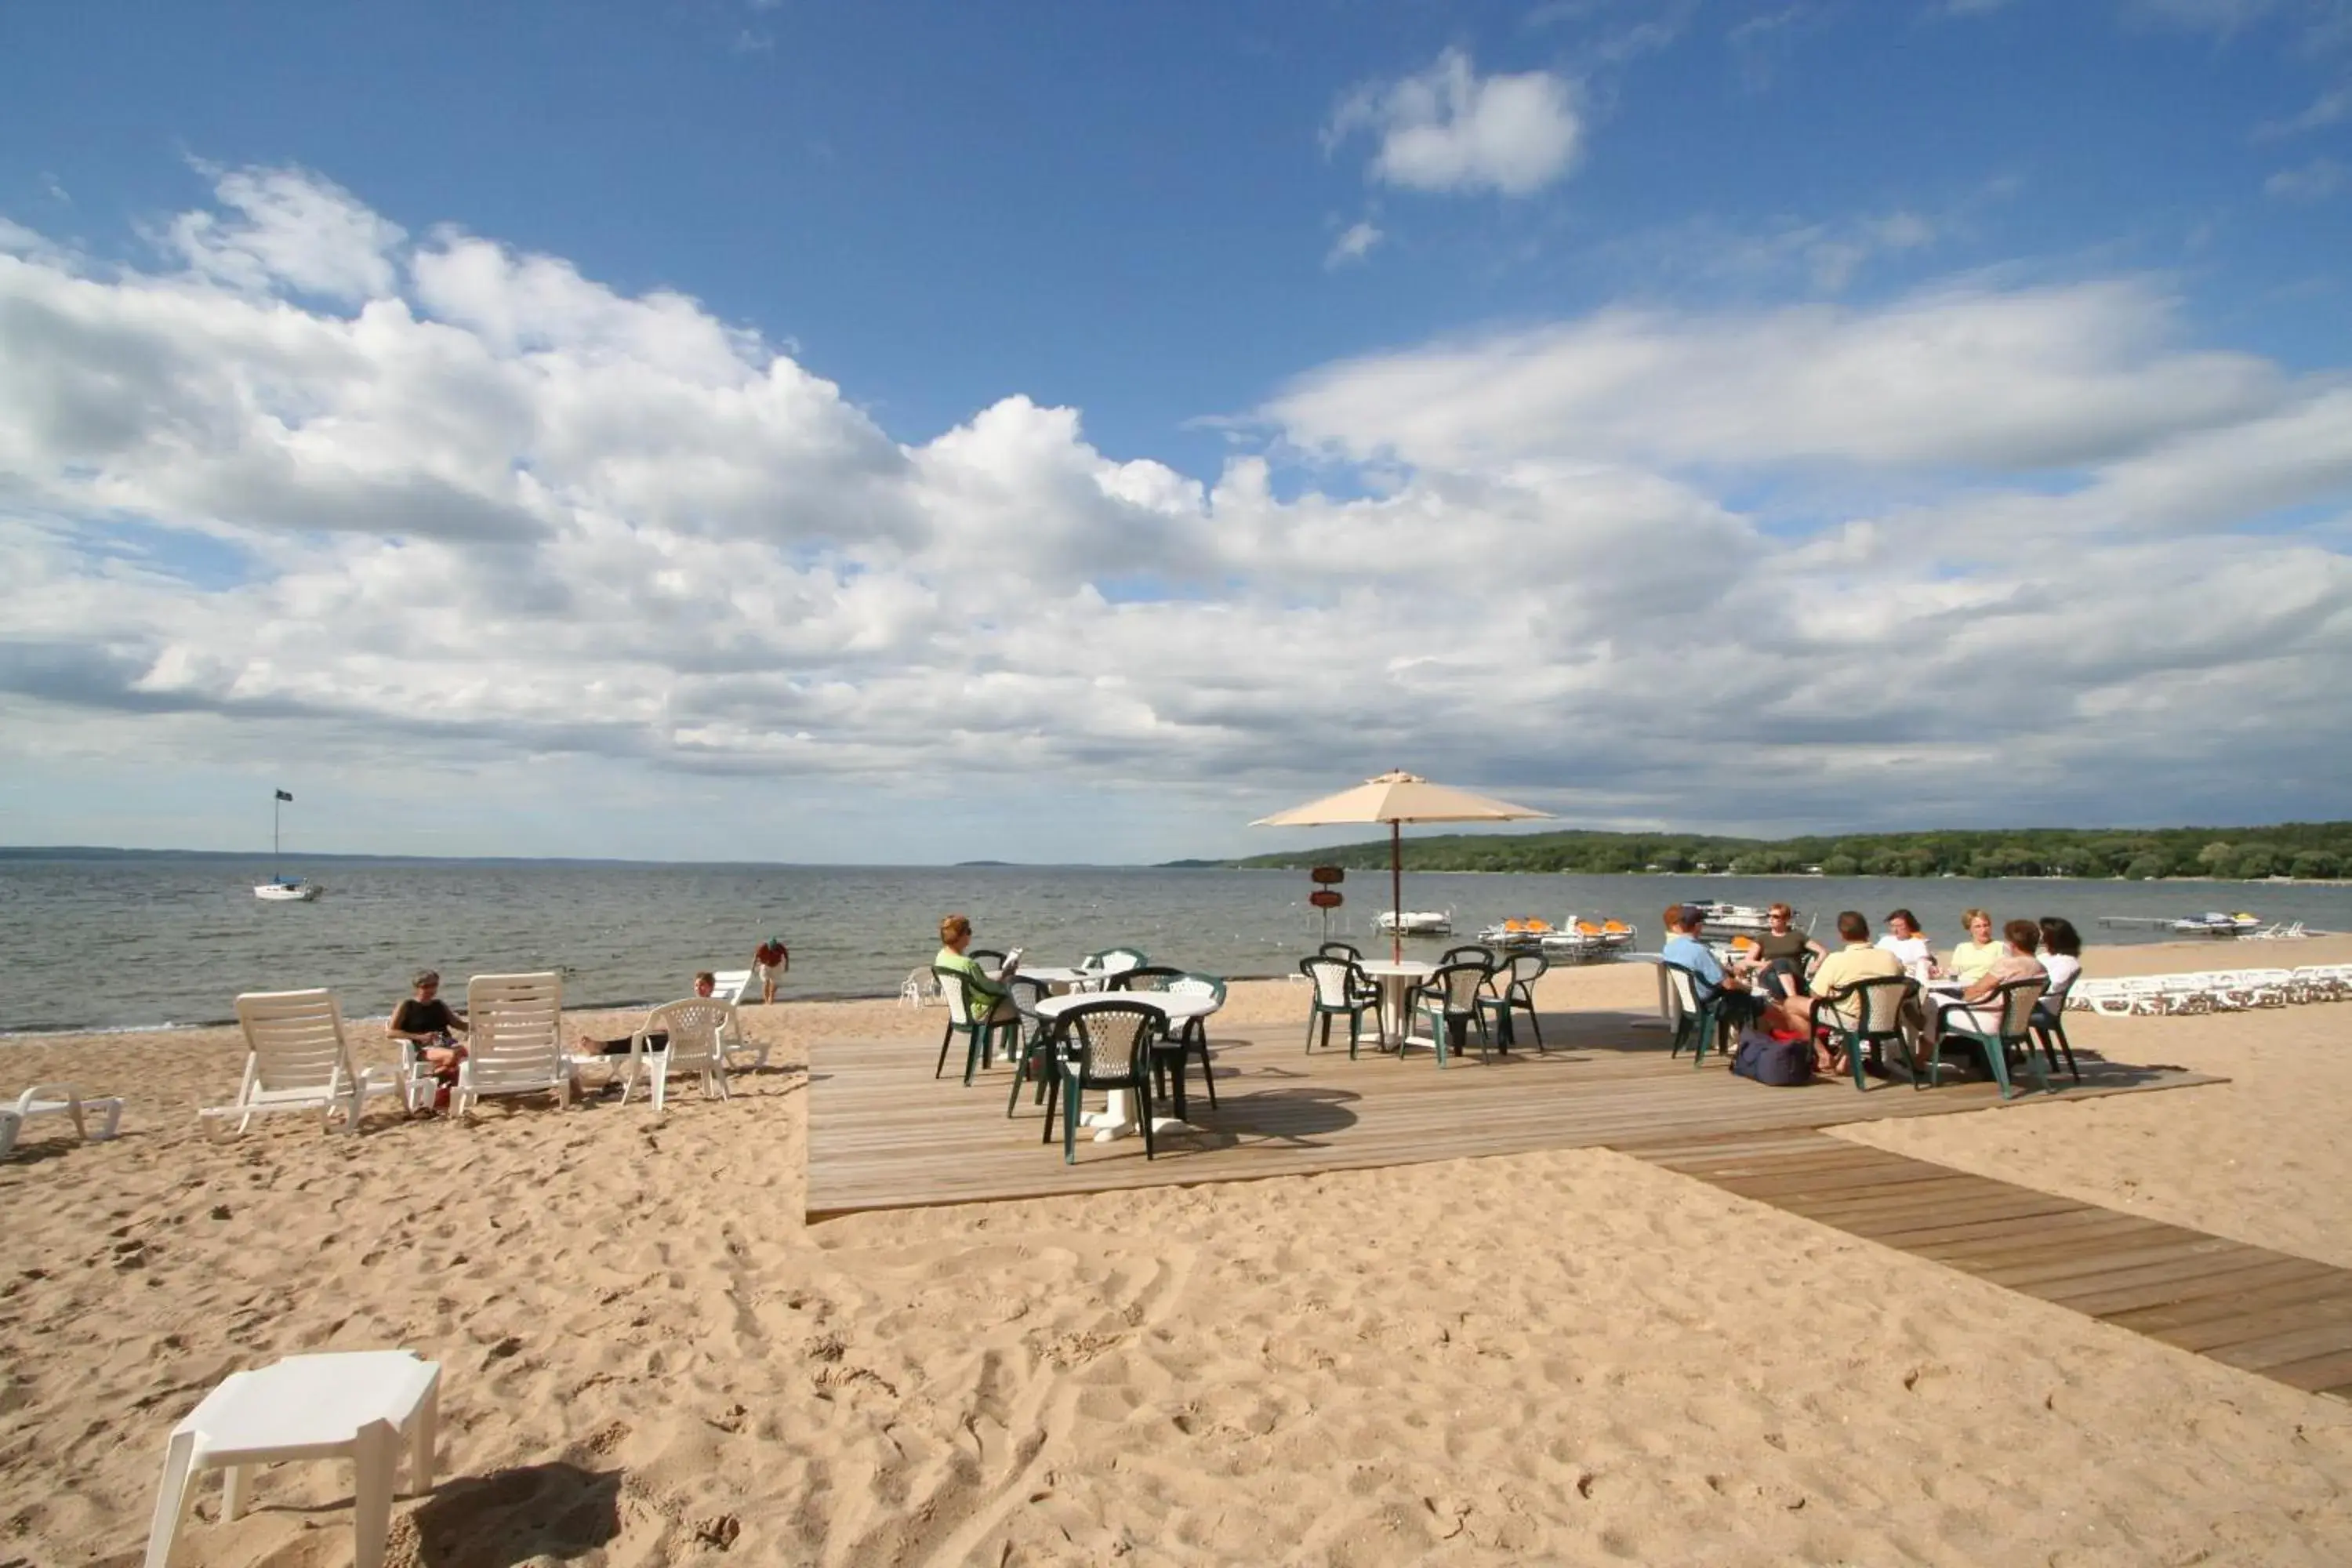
pixel 360 1402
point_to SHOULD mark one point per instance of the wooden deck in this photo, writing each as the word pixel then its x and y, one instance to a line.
pixel 2283 1317
pixel 884 1134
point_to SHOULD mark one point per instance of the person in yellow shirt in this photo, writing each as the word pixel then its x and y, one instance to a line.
pixel 1971 958
pixel 1857 960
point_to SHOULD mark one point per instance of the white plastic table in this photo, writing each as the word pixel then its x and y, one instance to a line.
pixel 363 1405
pixel 1119 1119
pixel 1395 976
pixel 1070 978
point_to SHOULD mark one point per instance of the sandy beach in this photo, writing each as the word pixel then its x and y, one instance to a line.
pixel 1574 1356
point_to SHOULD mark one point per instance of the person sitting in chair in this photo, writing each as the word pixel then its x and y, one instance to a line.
pixel 430 1025
pixel 705 984
pixel 1779 964
pixel 1728 993
pixel 1857 960
pixel 2021 939
pixel 955 935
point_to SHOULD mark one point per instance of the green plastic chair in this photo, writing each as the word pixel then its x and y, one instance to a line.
pixel 1191 1041
pixel 1875 1008
pixel 1518 977
pixel 2012 1007
pixel 1453 999
pixel 969 1007
pixel 1115 960
pixel 1035 1063
pixel 1341 991
pixel 1697 1024
pixel 1102 1044
pixel 2049 1027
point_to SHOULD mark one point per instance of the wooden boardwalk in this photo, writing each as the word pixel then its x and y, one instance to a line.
pixel 2283 1317
pixel 884 1134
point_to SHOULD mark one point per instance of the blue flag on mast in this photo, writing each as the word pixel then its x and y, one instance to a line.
pixel 283 795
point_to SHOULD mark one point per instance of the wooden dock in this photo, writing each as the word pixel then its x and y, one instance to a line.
pixel 2286 1318
pixel 884 1134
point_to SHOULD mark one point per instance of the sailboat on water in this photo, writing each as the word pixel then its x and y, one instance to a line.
pixel 283 889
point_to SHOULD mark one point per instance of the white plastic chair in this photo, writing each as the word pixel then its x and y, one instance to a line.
pixel 57 1099
pixel 514 1040
pixel 728 985
pixel 366 1405
pixel 298 1059
pixel 699 1029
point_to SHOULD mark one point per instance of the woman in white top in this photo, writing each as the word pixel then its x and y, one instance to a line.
pixel 1904 938
pixel 2062 955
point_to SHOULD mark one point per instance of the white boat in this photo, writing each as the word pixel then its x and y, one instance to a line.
pixel 1733 920
pixel 1522 934
pixel 1588 941
pixel 282 890
pixel 2213 922
pixel 1415 922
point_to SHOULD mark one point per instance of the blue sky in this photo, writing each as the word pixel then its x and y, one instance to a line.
pixel 1101 330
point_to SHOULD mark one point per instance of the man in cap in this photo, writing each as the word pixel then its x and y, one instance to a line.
pixel 769 964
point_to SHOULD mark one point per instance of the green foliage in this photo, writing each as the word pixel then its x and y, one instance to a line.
pixel 2305 849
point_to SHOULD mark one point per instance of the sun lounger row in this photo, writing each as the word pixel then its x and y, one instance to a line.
pixel 298 1056
pixel 2212 991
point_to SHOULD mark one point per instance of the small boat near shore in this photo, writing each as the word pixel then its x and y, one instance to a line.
pixel 1522 933
pixel 281 888
pixel 1572 940
pixel 1724 920
pixel 2214 922
pixel 1414 923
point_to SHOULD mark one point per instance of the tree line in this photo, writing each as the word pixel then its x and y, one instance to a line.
pixel 2307 850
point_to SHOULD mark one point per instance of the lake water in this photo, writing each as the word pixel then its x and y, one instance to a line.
pixel 149 941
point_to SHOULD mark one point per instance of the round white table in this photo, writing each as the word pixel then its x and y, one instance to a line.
pixel 1059 978
pixel 1118 1120
pixel 1395 977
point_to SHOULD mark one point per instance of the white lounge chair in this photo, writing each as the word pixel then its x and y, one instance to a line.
pixel 297 1059
pixel 699 1029
pixel 514 1039
pixel 728 985
pixel 55 1099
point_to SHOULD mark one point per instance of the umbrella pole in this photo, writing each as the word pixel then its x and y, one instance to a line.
pixel 1396 892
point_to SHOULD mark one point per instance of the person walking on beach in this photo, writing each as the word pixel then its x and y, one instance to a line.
pixel 769 963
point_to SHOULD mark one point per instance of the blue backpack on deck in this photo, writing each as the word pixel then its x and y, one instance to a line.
pixel 1784 1064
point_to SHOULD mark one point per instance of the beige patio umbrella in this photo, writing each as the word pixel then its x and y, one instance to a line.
pixel 1396 798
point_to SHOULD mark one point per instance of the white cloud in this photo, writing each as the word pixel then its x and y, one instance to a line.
pixel 2013 381
pixel 589 551
pixel 1449 129
pixel 2329 107
pixel 1763 44
pixel 2313 182
pixel 289 228
pixel 1355 243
